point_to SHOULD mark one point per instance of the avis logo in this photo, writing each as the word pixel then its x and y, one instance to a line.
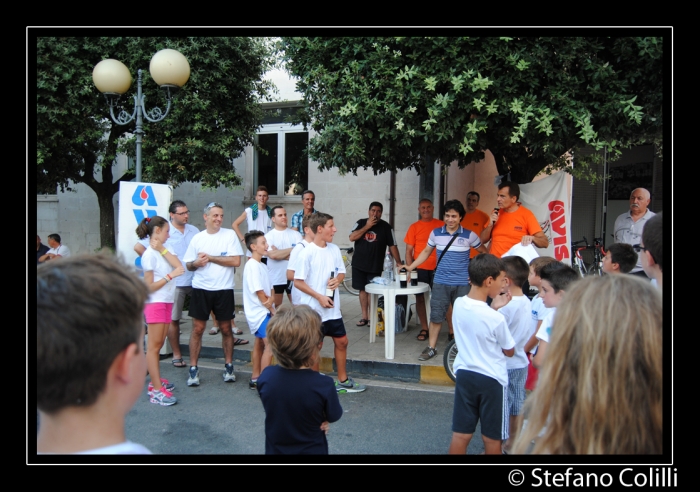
pixel 558 223
pixel 143 194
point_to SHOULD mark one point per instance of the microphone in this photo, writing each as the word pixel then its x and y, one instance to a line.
pixel 495 210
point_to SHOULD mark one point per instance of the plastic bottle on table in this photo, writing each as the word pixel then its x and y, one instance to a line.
pixel 388 271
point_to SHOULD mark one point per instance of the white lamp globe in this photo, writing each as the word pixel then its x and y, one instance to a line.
pixel 170 67
pixel 111 76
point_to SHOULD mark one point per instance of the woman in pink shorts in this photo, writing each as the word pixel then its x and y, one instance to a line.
pixel 160 267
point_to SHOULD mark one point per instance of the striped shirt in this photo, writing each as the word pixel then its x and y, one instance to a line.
pixel 453 268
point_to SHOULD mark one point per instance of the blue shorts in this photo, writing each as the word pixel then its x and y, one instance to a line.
pixel 480 398
pixel 333 328
pixel 261 332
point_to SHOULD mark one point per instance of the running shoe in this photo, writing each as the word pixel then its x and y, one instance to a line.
pixel 349 386
pixel 193 380
pixel 163 397
pixel 229 377
pixel 165 384
pixel 428 353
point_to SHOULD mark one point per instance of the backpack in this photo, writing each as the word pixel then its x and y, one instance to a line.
pixel 400 313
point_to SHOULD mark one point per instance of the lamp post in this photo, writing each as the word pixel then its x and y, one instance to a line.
pixel 169 69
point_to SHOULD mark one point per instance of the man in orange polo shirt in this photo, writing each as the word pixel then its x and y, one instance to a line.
pixel 512 223
pixel 475 220
pixel 416 240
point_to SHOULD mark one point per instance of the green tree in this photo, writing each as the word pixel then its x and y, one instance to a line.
pixel 391 103
pixel 213 118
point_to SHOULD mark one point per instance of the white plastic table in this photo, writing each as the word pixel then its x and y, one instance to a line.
pixel 390 292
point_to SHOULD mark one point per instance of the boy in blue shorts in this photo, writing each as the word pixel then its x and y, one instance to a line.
pixel 299 402
pixel 483 342
pixel 257 302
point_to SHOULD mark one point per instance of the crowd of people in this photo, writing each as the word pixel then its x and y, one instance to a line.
pixel 587 347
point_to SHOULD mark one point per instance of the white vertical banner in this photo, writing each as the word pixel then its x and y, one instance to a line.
pixel 136 201
pixel 549 200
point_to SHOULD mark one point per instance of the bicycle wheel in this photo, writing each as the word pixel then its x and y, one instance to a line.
pixel 347 283
pixel 448 359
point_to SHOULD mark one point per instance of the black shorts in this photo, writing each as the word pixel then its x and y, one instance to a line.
pixel 221 302
pixel 333 328
pixel 280 289
pixel 426 276
pixel 360 278
pixel 480 397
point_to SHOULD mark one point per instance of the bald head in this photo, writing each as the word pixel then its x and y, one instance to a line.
pixel 639 201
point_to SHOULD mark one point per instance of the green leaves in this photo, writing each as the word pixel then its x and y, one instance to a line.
pixel 527 100
pixel 213 118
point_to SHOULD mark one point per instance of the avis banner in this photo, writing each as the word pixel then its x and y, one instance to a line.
pixel 136 201
pixel 549 200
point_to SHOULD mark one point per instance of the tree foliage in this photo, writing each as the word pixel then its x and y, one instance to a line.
pixel 390 103
pixel 214 116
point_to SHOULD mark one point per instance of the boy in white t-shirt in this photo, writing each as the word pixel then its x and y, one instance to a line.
pixel 320 270
pixel 83 410
pixel 281 240
pixel 484 342
pixel 556 279
pixel 517 314
pixel 257 302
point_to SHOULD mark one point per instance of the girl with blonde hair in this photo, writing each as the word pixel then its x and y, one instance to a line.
pixel 600 391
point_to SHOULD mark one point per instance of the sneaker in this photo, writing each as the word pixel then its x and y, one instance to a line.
pixel 163 397
pixel 253 384
pixel 428 353
pixel 229 377
pixel 193 380
pixel 165 384
pixel 349 386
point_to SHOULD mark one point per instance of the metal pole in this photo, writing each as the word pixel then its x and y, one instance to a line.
pixel 139 127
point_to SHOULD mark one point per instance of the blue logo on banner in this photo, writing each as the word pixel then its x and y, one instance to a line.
pixel 141 214
pixel 144 194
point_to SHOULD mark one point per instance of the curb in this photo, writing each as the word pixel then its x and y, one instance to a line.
pixel 407 373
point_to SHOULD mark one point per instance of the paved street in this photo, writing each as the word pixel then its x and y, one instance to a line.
pixel 217 418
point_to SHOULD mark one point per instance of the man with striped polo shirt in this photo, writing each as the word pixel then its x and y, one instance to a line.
pixel 453 243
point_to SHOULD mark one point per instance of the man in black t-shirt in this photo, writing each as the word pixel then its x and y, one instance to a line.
pixel 371 237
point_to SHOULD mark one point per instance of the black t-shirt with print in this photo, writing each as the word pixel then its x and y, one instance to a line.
pixel 371 248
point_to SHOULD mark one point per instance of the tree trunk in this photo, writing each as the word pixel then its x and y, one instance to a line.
pixel 107 235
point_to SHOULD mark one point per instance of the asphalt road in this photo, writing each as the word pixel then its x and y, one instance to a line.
pixel 215 420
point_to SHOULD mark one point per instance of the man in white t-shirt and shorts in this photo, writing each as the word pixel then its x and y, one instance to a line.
pixel 280 240
pixel 212 255
pixel 318 274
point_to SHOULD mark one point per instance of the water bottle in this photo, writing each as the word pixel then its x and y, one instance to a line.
pixel 388 272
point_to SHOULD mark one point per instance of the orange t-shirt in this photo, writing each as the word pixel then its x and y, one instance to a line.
pixel 510 229
pixel 417 236
pixel 475 221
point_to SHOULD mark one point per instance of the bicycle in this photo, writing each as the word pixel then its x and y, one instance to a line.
pixel 347 282
pixel 595 268
pixel 598 255
pixel 448 360
pixel 578 263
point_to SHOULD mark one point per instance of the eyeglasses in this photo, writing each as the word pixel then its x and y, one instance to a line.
pixel 186 212
pixel 639 247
